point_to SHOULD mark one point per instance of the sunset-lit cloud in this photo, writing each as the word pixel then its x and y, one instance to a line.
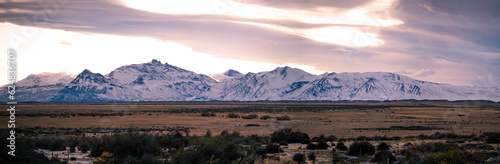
pixel 448 41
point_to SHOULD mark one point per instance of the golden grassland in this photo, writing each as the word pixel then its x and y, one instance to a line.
pixel 314 118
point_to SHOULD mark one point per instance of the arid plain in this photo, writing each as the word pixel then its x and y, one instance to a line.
pixel 342 119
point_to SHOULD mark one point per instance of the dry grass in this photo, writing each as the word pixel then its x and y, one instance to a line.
pixel 340 122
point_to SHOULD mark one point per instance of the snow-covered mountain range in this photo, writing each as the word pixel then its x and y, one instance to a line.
pixel 151 81
pixel 229 74
pixel 155 81
pixel 39 87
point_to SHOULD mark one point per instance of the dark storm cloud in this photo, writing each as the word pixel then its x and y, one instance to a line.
pixel 470 20
pixel 459 31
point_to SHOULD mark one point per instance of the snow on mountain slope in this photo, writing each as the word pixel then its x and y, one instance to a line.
pixel 151 81
pixel 260 86
pixel 39 87
pixel 155 81
pixel 385 86
pixel 86 87
pixel 229 74
pixel 343 86
pixel 46 79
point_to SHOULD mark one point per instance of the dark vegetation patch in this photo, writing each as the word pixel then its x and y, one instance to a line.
pixel 402 128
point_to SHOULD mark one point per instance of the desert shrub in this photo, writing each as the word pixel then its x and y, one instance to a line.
pixel 439 152
pixel 494 160
pixel 331 138
pixel 49 143
pixel 312 156
pixel 134 144
pixel 341 146
pixel 383 146
pixel 106 154
pixel 322 145
pixel 451 156
pixel 433 147
pixel 232 115
pixel 273 149
pixel 254 139
pixel 492 137
pixel 298 157
pixel 283 143
pixel 84 148
pixel 207 114
pixel 224 148
pixel 383 156
pixel 439 135
pixel 149 159
pixel 283 118
pixel 24 151
pixel 385 138
pixel 208 133
pixel 265 117
pixel 311 146
pixel 361 147
pixel 262 151
pixel 289 136
pixel 252 116
pixel 478 146
pixel 363 138
pixel 318 138
pixel 251 125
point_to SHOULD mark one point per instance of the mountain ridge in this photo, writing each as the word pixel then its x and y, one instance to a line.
pixel 154 81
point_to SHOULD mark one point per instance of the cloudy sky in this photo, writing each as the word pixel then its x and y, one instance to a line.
pixel 446 41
